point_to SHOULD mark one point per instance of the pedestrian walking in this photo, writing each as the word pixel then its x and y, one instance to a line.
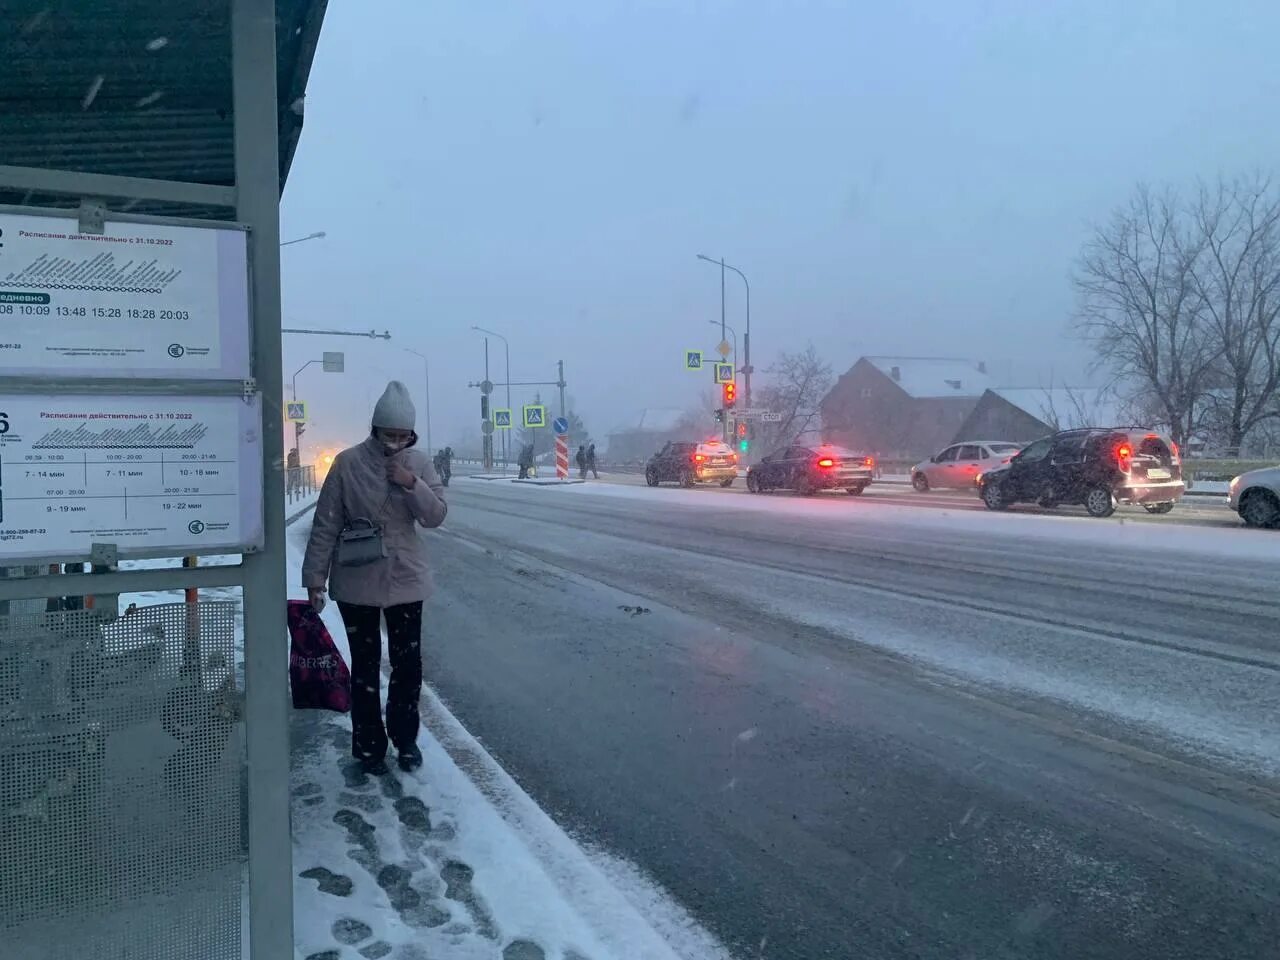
pixel 293 470
pixel 582 462
pixel 524 461
pixel 447 473
pixel 366 550
pixel 591 461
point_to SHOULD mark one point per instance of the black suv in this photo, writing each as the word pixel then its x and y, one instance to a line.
pixel 1094 467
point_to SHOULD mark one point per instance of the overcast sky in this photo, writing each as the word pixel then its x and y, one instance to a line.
pixel 907 177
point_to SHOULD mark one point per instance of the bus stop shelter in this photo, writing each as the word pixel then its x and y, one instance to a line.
pixel 144 798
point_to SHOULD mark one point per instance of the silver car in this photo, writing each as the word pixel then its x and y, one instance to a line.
pixel 1256 497
pixel 958 465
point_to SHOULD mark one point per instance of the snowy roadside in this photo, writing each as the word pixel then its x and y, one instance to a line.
pixel 451 863
pixel 442 862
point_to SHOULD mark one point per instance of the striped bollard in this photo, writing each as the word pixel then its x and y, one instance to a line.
pixel 562 456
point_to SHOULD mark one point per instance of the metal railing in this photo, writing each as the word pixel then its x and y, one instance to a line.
pixel 300 483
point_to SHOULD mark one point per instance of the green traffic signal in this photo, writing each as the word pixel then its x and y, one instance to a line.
pixel 743 444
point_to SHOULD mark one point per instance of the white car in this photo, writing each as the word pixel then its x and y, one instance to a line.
pixel 958 465
pixel 1256 497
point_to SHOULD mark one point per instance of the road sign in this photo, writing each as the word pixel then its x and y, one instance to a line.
pixel 725 348
pixel 486 386
pixel 486 427
pixel 769 416
pixel 724 372
pixel 334 361
pixel 535 415
pixel 560 425
pixel 693 359
pixel 502 419
pixel 295 411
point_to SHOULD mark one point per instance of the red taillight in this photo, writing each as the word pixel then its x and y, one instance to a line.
pixel 733 457
pixel 698 458
pixel 869 461
pixel 826 462
pixel 1124 456
pixel 1174 448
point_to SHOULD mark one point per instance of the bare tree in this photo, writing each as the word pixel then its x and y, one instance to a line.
pixel 1141 307
pixel 1237 279
pixel 796 384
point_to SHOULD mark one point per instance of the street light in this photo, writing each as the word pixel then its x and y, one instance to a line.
pixel 506 349
pixel 746 337
pixel 318 235
pixel 426 380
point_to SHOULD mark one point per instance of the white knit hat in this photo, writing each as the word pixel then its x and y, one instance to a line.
pixel 394 409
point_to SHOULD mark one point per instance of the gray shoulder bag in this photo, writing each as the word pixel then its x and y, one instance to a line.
pixel 360 542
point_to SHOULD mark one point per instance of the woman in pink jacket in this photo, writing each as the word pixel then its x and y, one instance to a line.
pixel 387 485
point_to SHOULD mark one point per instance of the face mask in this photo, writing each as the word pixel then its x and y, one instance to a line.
pixel 390 449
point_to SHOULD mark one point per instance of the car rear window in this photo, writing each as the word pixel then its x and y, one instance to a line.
pixel 1002 448
pixel 844 453
pixel 1153 446
pixel 714 448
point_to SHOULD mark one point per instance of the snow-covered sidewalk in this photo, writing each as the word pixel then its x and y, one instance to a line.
pixel 447 863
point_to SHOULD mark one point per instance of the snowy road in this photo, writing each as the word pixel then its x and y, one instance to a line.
pixel 846 729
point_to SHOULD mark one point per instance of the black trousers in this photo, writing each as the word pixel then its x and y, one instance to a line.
pixel 404 646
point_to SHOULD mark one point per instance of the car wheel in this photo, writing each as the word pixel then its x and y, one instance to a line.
pixel 920 482
pixel 1260 508
pixel 856 489
pixel 993 497
pixel 651 478
pixel 727 482
pixel 1158 507
pixel 1100 501
pixel 686 478
pixel 753 483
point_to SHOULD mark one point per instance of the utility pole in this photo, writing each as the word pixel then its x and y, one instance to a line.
pixel 487 442
pixel 560 384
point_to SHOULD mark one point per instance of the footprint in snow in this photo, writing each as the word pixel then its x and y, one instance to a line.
pixel 329 882
pixel 634 611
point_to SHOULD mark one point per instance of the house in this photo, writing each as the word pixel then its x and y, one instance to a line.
pixel 1022 414
pixel 640 437
pixel 902 407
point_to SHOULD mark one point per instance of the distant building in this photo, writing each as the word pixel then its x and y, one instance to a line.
pixel 902 407
pixel 641 437
pixel 1025 413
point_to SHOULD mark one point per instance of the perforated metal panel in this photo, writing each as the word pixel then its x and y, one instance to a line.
pixel 120 763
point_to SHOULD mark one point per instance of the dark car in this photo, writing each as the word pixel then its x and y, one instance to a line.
pixel 1097 468
pixel 807 470
pixel 687 462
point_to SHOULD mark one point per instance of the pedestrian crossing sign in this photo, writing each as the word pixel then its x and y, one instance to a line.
pixel 501 419
pixel 535 415
pixel 724 373
pixel 295 411
pixel 693 359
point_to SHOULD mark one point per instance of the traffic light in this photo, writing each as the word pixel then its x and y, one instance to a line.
pixel 743 443
pixel 719 414
pixel 742 429
pixel 730 394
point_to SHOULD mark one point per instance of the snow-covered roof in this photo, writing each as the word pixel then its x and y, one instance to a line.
pixel 655 419
pixel 928 377
pixel 1067 407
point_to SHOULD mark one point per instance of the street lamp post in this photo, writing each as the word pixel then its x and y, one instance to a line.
pixel 318 235
pixel 426 389
pixel 506 350
pixel 746 337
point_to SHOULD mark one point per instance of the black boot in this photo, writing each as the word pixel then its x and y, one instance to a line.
pixel 410 758
pixel 374 766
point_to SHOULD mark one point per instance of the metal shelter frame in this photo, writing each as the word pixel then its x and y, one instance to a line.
pixel 96 118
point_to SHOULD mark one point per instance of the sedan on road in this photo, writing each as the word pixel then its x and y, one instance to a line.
pixel 806 470
pixel 958 465
pixel 687 462
pixel 1256 497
